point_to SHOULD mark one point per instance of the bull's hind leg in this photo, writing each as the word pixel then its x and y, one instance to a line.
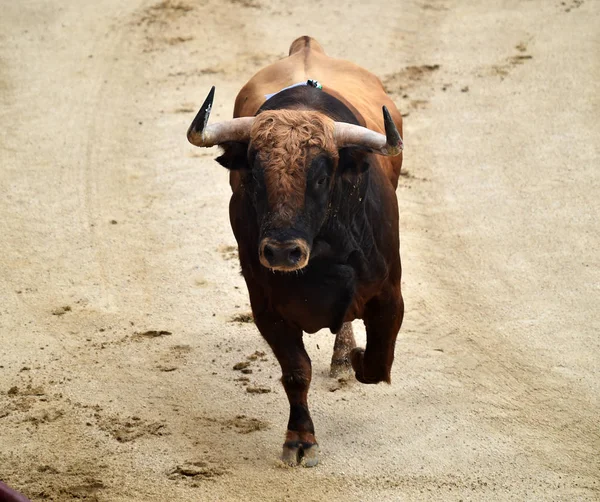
pixel 344 343
pixel 300 443
pixel 383 317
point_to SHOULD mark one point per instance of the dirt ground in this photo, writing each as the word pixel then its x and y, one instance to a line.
pixel 123 314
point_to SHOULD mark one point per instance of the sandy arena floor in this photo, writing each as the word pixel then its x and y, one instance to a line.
pixel 113 228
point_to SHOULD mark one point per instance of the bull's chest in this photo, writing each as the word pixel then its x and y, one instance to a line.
pixel 319 297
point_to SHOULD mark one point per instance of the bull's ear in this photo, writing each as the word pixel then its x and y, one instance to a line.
pixel 235 155
pixel 353 161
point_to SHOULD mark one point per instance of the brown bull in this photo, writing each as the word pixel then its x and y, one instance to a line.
pixel 314 168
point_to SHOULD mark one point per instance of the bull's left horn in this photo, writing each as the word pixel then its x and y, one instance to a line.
pixel 201 134
pixel 353 135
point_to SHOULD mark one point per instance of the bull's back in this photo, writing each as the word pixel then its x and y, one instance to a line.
pixel 358 88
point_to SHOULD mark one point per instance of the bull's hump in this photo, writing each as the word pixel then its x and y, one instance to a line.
pixel 305 43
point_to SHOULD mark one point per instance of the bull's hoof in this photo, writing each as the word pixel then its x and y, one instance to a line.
pixel 340 368
pixel 357 357
pixel 300 453
pixel 300 448
pixel 371 375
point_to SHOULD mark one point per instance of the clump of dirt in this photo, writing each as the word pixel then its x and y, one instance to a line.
pixel 521 47
pixel 30 390
pixel 504 68
pixel 246 3
pixel 575 4
pixel 178 40
pixel 341 383
pixel 240 366
pixel 229 252
pixel 244 317
pixel 47 468
pixel 257 390
pixel 405 173
pixel 151 334
pixel 61 310
pixel 165 368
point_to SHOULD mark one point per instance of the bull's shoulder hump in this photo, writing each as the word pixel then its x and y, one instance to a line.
pixel 305 43
pixel 268 80
pixel 328 70
pixel 307 60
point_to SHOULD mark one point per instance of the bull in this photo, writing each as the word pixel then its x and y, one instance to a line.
pixel 314 152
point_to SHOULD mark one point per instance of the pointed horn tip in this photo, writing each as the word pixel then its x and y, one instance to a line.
pixel 393 138
pixel 211 95
pixel 195 133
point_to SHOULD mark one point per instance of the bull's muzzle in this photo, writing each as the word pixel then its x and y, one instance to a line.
pixel 285 256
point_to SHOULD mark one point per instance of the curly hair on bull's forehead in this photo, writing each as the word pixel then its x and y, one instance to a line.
pixel 283 139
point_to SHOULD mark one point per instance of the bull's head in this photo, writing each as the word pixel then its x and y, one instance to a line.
pixel 290 158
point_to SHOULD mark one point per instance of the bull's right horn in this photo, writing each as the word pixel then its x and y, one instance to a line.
pixel 389 143
pixel 200 134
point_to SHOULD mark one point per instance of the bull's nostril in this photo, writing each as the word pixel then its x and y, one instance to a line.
pixel 268 253
pixel 295 255
pixel 283 255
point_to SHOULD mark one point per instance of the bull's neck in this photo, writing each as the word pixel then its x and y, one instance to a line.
pixel 348 229
pixel 309 97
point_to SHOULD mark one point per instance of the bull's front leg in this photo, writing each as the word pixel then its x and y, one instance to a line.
pixel 383 318
pixel 286 342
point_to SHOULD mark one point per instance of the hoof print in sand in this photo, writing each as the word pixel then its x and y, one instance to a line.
pixel 125 430
pixel 200 470
pixel 245 425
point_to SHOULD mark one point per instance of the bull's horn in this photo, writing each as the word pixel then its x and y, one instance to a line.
pixel 353 135
pixel 200 134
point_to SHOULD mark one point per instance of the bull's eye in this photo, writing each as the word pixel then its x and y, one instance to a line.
pixel 321 181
